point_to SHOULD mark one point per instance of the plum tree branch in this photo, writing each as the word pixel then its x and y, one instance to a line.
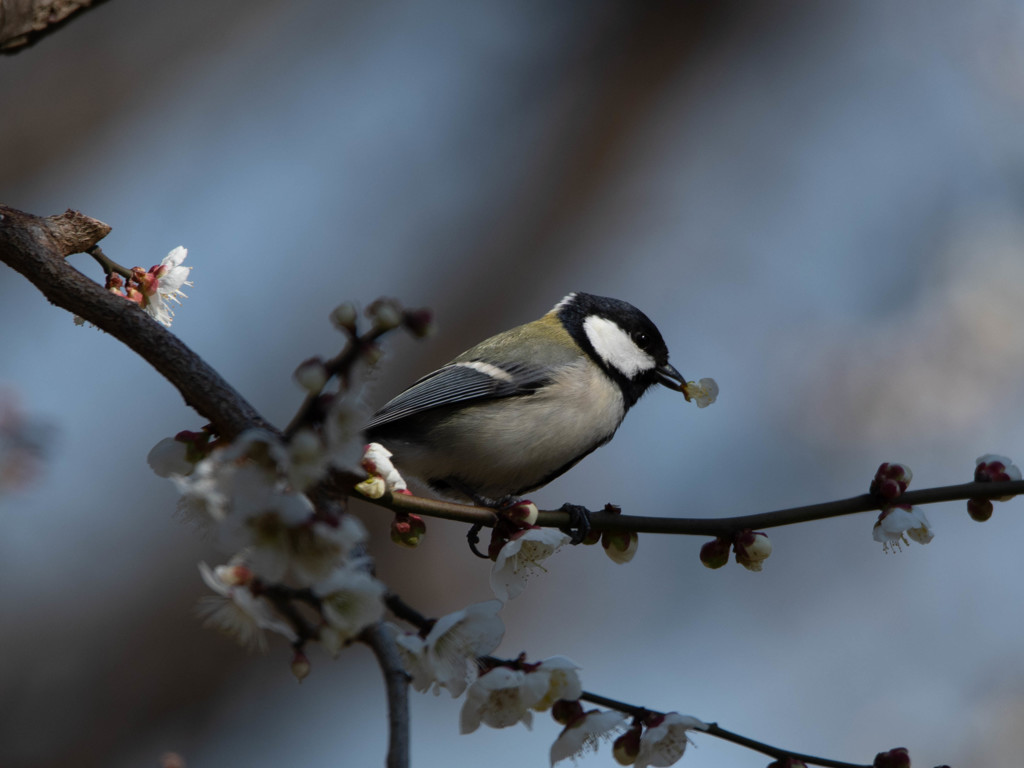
pixel 697 526
pixel 36 247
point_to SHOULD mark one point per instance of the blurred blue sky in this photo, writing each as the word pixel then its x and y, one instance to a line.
pixel 818 203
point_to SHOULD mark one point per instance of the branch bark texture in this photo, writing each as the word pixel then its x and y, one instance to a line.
pixel 23 22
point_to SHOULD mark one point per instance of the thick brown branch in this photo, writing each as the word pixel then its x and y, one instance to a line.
pixel 25 22
pixel 36 248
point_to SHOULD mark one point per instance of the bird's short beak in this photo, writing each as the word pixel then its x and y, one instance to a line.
pixel 670 377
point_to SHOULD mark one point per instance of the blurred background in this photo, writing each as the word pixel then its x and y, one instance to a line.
pixel 820 204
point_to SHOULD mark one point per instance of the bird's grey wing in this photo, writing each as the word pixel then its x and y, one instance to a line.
pixel 459 383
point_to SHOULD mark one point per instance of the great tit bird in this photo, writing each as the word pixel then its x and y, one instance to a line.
pixel 519 409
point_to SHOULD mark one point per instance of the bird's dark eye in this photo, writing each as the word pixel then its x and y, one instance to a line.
pixel 641 339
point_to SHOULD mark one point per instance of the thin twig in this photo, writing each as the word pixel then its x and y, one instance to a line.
pixel 697 526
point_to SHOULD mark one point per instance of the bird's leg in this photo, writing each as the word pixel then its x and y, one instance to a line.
pixel 473 537
pixel 579 522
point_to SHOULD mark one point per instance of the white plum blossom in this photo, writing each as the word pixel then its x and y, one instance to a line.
pixel 663 744
pixel 237 611
pixel 163 283
pixel 307 460
pixel 343 427
pixel 351 600
pixel 456 640
pixel 446 658
pixel 244 492
pixel 563 681
pixel 169 457
pixel 520 557
pixel 585 734
pixel 413 651
pixel 501 698
pixel 894 524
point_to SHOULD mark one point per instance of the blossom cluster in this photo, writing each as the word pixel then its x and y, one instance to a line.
pixel 250 496
pixel 896 522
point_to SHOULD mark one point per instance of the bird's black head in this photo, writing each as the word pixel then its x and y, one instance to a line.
pixel 621 339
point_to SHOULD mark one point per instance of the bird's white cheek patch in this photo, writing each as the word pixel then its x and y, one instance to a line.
pixel 614 346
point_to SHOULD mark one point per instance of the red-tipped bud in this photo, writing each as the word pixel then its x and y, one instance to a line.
pixel 715 553
pixel 894 758
pixel 979 509
pixel 566 711
pixel 407 530
pixel 890 481
pixel 522 514
pixel 993 468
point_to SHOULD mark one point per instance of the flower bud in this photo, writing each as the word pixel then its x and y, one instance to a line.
pixel 627 746
pixel 407 530
pixel 523 513
pixel 566 711
pixel 620 546
pixel 993 468
pixel 300 666
pixel 752 549
pixel 715 553
pixel 343 317
pixel 372 487
pixel 311 375
pixel 385 314
pixel 234 575
pixel 890 481
pixel 979 509
pixel 894 758
pixel 419 322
